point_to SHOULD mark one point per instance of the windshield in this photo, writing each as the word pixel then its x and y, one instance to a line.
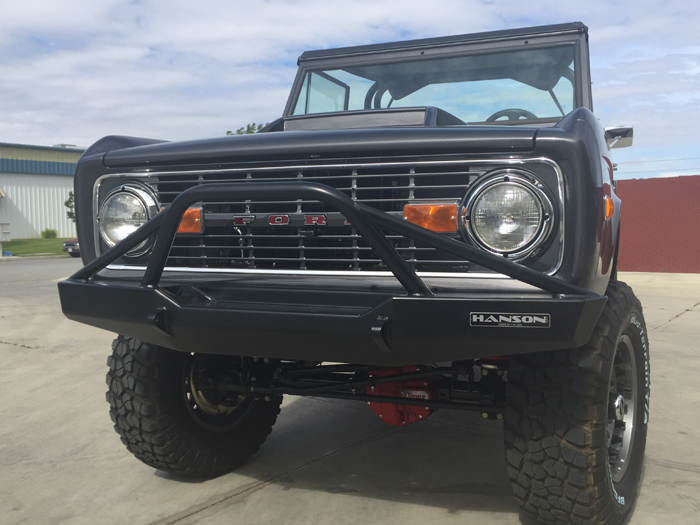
pixel 501 87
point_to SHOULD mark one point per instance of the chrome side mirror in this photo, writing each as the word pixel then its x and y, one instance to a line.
pixel 619 136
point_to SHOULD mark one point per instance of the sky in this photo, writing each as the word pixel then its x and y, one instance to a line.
pixel 72 71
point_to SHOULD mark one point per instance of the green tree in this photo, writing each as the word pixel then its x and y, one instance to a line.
pixel 248 129
pixel 70 204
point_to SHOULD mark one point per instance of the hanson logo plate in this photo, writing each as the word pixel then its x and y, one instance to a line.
pixel 509 320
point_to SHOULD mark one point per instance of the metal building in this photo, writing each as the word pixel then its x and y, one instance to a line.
pixel 34 184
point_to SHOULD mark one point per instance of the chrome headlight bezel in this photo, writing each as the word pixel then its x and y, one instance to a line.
pixel 145 197
pixel 532 186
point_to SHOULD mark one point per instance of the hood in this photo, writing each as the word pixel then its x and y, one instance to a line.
pixel 320 144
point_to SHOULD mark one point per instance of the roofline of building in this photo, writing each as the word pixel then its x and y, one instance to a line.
pixel 50 148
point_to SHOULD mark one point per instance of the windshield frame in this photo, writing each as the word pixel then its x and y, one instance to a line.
pixel 430 49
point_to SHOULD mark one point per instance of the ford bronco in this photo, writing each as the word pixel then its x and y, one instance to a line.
pixel 431 224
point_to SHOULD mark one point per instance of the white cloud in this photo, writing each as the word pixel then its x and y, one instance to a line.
pixel 181 69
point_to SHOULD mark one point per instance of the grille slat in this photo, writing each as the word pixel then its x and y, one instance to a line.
pixel 370 188
pixel 315 248
pixel 258 244
pixel 250 236
pixel 307 259
pixel 398 199
pixel 312 178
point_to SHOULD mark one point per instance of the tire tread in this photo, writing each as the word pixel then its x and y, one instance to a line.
pixel 151 432
pixel 554 429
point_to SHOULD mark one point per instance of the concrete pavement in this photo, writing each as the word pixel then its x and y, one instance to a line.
pixel 326 461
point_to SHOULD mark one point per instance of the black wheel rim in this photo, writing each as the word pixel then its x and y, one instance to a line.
pixel 208 407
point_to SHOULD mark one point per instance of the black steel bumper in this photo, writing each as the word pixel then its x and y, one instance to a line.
pixel 350 320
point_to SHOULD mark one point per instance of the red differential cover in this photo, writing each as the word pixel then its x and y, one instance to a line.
pixel 401 415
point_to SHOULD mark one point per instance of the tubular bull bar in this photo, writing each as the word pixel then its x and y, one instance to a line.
pixel 299 322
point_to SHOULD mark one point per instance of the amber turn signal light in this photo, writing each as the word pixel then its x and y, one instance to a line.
pixel 609 207
pixel 191 221
pixel 440 218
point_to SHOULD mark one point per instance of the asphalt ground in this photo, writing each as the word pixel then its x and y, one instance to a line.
pixel 326 461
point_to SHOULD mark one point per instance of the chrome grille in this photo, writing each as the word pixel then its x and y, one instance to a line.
pixel 328 245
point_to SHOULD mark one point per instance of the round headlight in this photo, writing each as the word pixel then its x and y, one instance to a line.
pixel 125 210
pixel 508 215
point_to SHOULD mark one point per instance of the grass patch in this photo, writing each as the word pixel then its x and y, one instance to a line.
pixel 31 247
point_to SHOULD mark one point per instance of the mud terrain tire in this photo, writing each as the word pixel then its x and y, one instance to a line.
pixel 576 421
pixel 155 419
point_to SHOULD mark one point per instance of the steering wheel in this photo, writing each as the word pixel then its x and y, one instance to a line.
pixel 512 114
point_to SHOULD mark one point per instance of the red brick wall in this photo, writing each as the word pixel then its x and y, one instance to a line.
pixel 660 229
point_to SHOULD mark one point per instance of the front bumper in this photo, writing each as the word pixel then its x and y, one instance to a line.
pixel 354 320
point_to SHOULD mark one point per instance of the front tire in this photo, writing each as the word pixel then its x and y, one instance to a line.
pixel 169 423
pixel 576 421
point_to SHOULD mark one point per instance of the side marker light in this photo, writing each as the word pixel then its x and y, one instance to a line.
pixel 609 208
